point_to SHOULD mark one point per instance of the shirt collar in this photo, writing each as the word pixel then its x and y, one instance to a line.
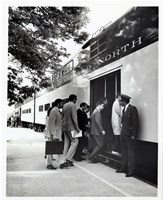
pixel 126 106
pixel 97 109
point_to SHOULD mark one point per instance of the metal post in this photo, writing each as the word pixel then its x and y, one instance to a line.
pixel 34 101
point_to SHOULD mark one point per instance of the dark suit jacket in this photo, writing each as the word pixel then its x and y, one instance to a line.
pixel 96 123
pixel 82 119
pixel 130 122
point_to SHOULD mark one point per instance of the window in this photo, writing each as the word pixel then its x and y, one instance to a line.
pixel 67 68
pixel 94 53
pixel 26 111
pixel 40 108
pixel 98 46
pixel 94 46
pixel 47 106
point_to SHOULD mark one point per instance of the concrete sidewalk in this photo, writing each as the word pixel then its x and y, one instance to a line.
pixel 27 175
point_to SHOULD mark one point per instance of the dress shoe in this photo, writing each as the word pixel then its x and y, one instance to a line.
pixel 51 167
pixel 93 160
pixel 69 163
pixel 78 159
pixel 63 165
pixel 88 156
pixel 83 158
pixel 120 171
pixel 129 174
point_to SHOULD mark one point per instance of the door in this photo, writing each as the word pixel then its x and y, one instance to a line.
pixel 97 91
pixel 106 86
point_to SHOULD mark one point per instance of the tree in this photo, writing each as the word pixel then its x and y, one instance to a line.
pixel 33 44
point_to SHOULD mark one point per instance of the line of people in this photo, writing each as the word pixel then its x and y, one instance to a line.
pixel 59 125
pixel 125 126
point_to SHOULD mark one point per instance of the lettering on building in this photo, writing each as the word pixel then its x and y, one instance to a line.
pixel 123 49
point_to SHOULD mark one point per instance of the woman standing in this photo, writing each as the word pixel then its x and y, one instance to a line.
pixel 48 136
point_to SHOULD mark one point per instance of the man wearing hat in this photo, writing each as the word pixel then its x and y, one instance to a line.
pixel 129 132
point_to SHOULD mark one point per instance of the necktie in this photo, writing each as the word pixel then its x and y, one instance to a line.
pixel 123 112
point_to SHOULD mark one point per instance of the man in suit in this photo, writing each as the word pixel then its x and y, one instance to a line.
pixel 97 131
pixel 70 123
pixel 82 121
pixel 128 135
pixel 54 127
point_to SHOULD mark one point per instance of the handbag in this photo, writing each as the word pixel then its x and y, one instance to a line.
pixel 54 147
pixel 76 134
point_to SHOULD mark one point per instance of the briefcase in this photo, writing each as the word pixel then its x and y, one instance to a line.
pixel 54 147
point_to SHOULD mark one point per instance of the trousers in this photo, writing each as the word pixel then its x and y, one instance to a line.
pixel 98 145
pixel 70 145
pixel 128 153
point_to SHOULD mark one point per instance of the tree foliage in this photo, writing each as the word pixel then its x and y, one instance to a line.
pixel 33 44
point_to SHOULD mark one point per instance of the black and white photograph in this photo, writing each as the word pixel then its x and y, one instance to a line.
pixel 81 100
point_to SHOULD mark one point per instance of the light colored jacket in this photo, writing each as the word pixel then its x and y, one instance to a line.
pixel 96 123
pixel 55 123
pixel 116 117
pixel 69 114
pixel 47 133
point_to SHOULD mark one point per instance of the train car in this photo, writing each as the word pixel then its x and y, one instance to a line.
pixel 33 113
pixel 123 57
pixel 27 114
